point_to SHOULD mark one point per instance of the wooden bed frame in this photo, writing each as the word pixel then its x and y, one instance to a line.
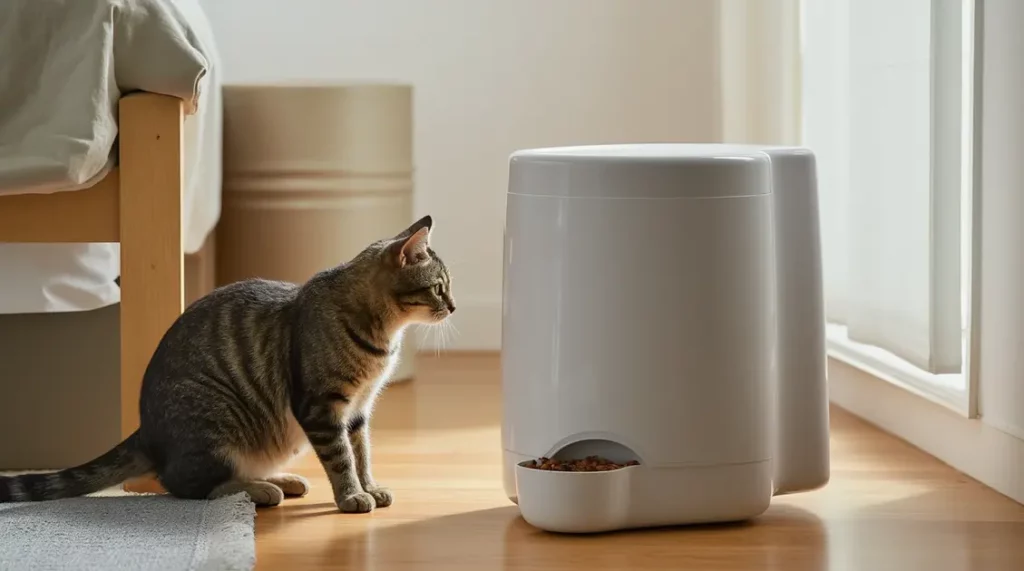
pixel 138 204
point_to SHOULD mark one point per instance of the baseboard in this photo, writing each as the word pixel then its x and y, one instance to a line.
pixel 477 327
pixel 983 452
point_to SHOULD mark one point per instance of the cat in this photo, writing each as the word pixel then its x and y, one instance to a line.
pixel 254 374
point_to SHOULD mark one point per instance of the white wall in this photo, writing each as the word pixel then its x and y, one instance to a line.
pixel 1001 369
pixel 492 76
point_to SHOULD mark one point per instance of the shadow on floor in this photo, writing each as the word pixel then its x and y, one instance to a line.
pixel 785 538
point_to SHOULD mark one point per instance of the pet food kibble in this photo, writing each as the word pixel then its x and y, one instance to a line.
pixel 588 464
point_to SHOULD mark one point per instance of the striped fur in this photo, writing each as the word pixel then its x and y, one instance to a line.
pixel 123 462
pixel 254 374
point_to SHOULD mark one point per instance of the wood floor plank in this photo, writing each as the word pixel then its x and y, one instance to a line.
pixel 437 441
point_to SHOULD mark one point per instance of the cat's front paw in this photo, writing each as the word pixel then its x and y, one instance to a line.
pixel 357 503
pixel 382 496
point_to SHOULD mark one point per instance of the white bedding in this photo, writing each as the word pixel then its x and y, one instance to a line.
pixel 64 64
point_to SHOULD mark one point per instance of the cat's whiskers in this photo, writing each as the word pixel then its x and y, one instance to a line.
pixel 423 334
pixel 440 341
pixel 450 330
pixel 453 329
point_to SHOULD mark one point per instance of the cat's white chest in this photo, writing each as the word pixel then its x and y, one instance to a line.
pixel 388 366
pixel 389 369
pixel 363 403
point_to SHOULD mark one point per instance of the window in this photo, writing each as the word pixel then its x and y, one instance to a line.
pixel 887 107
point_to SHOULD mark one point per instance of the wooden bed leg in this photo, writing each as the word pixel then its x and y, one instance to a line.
pixel 152 257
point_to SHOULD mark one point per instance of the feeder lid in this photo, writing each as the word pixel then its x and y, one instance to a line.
pixel 651 170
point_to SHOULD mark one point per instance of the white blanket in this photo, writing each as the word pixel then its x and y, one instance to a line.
pixel 64 64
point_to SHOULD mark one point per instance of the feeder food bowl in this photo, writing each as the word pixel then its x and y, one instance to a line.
pixel 662 307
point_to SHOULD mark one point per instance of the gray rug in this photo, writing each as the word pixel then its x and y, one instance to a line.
pixel 128 532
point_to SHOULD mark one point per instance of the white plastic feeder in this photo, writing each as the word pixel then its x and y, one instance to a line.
pixel 662 303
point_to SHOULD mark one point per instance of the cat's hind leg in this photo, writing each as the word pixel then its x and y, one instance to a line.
pixel 293 485
pixel 194 475
pixel 202 475
pixel 262 493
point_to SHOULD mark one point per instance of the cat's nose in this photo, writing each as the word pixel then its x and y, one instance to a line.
pixel 451 307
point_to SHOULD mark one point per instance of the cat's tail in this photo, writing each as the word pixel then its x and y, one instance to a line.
pixel 124 462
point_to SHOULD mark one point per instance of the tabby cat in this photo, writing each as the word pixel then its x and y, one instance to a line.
pixel 251 375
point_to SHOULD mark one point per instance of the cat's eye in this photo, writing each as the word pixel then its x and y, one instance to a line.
pixel 438 289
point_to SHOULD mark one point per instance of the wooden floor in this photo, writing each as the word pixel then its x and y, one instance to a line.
pixel 888 506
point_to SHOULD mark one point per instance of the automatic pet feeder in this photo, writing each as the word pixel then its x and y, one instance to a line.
pixel 662 303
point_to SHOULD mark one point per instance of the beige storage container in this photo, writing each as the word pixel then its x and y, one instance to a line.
pixel 312 174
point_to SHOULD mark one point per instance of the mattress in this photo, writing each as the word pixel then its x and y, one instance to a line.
pixel 65 65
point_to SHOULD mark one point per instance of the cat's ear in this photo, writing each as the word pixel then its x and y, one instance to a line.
pixel 411 250
pixel 426 222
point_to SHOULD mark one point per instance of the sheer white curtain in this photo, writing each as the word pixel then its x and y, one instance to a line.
pixel 883 84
